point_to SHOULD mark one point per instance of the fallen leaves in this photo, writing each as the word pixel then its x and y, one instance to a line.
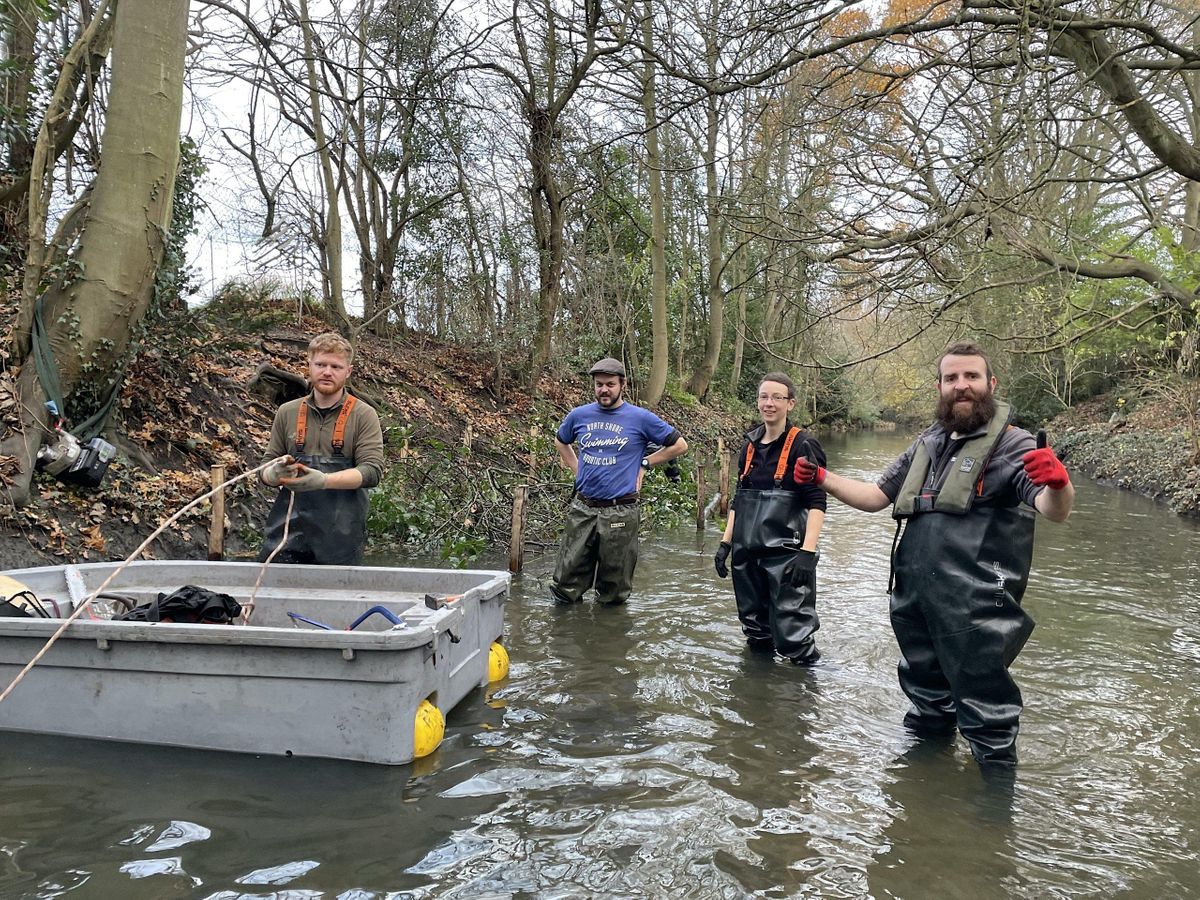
pixel 93 539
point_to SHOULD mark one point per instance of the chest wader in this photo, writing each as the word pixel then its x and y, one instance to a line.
pixel 959 572
pixel 327 527
pixel 775 589
pixel 599 549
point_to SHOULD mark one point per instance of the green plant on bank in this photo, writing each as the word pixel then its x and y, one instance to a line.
pixel 401 515
pixel 667 504
pixel 461 552
pixel 251 535
pixel 678 394
pixel 175 280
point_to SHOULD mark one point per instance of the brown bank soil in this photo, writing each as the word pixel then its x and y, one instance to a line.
pixel 186 406
pixel 1147 450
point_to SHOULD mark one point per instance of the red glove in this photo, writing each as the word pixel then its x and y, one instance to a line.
pixel 1043 467
pixel 808 472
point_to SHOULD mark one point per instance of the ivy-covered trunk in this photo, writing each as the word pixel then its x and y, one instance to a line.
pixel 90 313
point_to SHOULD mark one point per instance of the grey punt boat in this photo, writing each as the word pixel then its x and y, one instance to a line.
pixel 279 685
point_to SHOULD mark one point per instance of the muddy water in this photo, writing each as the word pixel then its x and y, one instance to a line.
pixel 639 752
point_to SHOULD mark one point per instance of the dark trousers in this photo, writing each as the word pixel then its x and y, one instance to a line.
pixel 955 653
pixel 776 602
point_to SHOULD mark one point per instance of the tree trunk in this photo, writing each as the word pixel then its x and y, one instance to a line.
pixel 739 338
pixel 15 84
pixel 702 376
pixel 546 205
pixel 54 137
pixel 1191 196
pixel 90 318
pixel 659 360
pixel 332 236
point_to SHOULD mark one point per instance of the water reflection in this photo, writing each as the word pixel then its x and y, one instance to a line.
pixel 641 751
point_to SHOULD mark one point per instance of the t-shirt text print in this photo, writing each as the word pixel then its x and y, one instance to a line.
pixel 601 442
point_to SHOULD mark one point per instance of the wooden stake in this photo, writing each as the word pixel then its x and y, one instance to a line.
pixel 216 528
pixel 516 542
pixel 700 492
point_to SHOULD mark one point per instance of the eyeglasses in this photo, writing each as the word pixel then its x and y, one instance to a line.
pixel 778 398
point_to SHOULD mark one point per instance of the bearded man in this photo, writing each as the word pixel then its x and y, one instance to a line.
pixel 599 546
pixel 326 451
pixel 964 493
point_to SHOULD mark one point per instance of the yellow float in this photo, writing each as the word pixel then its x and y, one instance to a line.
pixel 428 729
pixel 497 662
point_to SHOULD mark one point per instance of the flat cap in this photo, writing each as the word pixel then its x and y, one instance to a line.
pixel 608 366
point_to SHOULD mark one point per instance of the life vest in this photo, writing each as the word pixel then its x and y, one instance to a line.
pixel 339 427
pixel 963 483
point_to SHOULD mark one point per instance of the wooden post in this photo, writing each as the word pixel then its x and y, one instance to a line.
pixel 700 492
pixel 516 542
pixel 216 529
pixel 723 457
pixel 468 438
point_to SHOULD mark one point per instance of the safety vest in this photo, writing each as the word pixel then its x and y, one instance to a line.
pixel 963 483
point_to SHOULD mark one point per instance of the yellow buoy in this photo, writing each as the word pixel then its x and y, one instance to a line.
pixel 497 662
pixel 428 729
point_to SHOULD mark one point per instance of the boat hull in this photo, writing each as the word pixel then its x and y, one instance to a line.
pixel 275 686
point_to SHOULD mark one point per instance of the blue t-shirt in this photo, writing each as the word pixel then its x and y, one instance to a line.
pixel 612 443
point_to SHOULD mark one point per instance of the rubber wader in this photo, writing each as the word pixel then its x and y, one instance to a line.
pixel 328 527
pixel 599 548
pixel 960 572
pixel 774 582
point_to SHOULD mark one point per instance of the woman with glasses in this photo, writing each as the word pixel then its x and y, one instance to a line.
pixel 770 540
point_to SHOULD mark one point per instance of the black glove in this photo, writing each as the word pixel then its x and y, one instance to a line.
pixel 719 558
pixel 805 570
pixel 671 470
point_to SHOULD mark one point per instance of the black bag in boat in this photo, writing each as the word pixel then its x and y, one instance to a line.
pixel 190 605
pixel 10 610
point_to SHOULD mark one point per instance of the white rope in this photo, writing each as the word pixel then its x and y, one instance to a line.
pixel 248 609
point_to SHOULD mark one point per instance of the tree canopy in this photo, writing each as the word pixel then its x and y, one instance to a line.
pixel 710 190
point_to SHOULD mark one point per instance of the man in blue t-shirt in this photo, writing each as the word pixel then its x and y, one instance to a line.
pixel 600 543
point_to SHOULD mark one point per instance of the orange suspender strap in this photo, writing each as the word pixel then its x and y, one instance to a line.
pixel 781 469
pixel 749 459
pixel 339 427
pixel 301 425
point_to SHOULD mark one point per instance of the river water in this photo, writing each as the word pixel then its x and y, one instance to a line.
pixel 640 752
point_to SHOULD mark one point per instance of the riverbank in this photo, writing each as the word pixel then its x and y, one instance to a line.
pixel 1147 450
pixel 461 431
